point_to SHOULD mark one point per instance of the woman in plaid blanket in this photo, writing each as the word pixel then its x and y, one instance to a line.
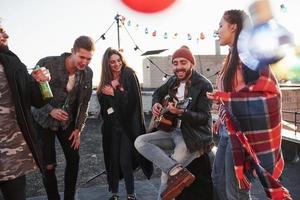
pixel 250 122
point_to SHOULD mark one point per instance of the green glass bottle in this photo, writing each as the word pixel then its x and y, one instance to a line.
pixel 66 105
pixel 44 87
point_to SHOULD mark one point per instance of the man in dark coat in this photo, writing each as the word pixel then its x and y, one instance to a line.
pixel 191 136
pixel 18 148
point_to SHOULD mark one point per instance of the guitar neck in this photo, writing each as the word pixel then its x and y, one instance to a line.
pixel 182 104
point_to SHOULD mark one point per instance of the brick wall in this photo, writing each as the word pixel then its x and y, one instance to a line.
pixel 291 102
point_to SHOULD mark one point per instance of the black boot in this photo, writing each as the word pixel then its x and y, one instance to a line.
pixel 114 197
pixel 131 197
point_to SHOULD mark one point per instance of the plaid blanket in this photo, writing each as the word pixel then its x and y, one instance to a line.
pixel 253 119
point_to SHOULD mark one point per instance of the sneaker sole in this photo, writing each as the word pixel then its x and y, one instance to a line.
pixel 178 189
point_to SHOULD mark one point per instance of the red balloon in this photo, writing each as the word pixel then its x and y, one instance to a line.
pixel 148 6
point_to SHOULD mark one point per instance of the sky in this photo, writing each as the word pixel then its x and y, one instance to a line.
pixel 40 28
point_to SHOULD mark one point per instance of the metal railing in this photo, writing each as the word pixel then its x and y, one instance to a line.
pixel 295 122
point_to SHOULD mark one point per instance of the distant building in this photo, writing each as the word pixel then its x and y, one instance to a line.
pixel 208 65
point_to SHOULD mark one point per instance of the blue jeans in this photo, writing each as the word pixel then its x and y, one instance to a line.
pixel 223 174
pixel 153 146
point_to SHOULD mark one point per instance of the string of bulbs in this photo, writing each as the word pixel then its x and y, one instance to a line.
pixel 136 47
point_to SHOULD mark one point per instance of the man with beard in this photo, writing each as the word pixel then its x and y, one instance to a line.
pixel 18 146
pixel 64 116
pixel 191 137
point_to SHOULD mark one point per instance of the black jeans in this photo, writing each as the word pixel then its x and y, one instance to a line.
pixel 121 158
pixel 14 189
pixel 47 139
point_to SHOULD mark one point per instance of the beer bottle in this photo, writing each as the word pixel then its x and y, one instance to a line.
pixel 44 87
pixel 66 105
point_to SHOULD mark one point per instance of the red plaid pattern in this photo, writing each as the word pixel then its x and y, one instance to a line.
pixel 253 119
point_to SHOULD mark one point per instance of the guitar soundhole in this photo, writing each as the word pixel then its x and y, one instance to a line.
pixel 167 121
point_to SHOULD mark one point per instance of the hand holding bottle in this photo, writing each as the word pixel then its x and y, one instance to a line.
pixel 59 114
pixel 42 75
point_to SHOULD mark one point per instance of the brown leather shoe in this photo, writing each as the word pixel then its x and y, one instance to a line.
pixel 177 183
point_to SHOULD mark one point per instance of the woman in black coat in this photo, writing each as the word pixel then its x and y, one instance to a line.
pixel 119 96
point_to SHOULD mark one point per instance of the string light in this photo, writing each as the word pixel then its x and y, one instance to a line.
pixel 164 78
pixel 117 18
pixel 283 8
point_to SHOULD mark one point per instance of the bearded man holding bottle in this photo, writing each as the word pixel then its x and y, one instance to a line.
pixel 18 145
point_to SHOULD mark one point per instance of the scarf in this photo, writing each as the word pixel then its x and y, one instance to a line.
pixel 253 120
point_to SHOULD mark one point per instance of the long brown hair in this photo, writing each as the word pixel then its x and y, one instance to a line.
pixel 106 74
pixel 240 18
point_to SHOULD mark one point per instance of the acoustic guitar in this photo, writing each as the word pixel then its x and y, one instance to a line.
pixel 167 121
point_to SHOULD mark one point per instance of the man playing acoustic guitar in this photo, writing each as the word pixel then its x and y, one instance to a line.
pixel 191 136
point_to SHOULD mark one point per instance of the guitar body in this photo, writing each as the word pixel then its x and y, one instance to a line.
pixel 167 121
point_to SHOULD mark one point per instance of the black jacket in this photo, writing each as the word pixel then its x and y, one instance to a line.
pixel 196 120
pixel 26 93
pixel 128 114
pixel 59 79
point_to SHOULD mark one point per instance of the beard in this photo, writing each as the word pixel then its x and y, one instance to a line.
pixel 188 73
pixel 3 48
